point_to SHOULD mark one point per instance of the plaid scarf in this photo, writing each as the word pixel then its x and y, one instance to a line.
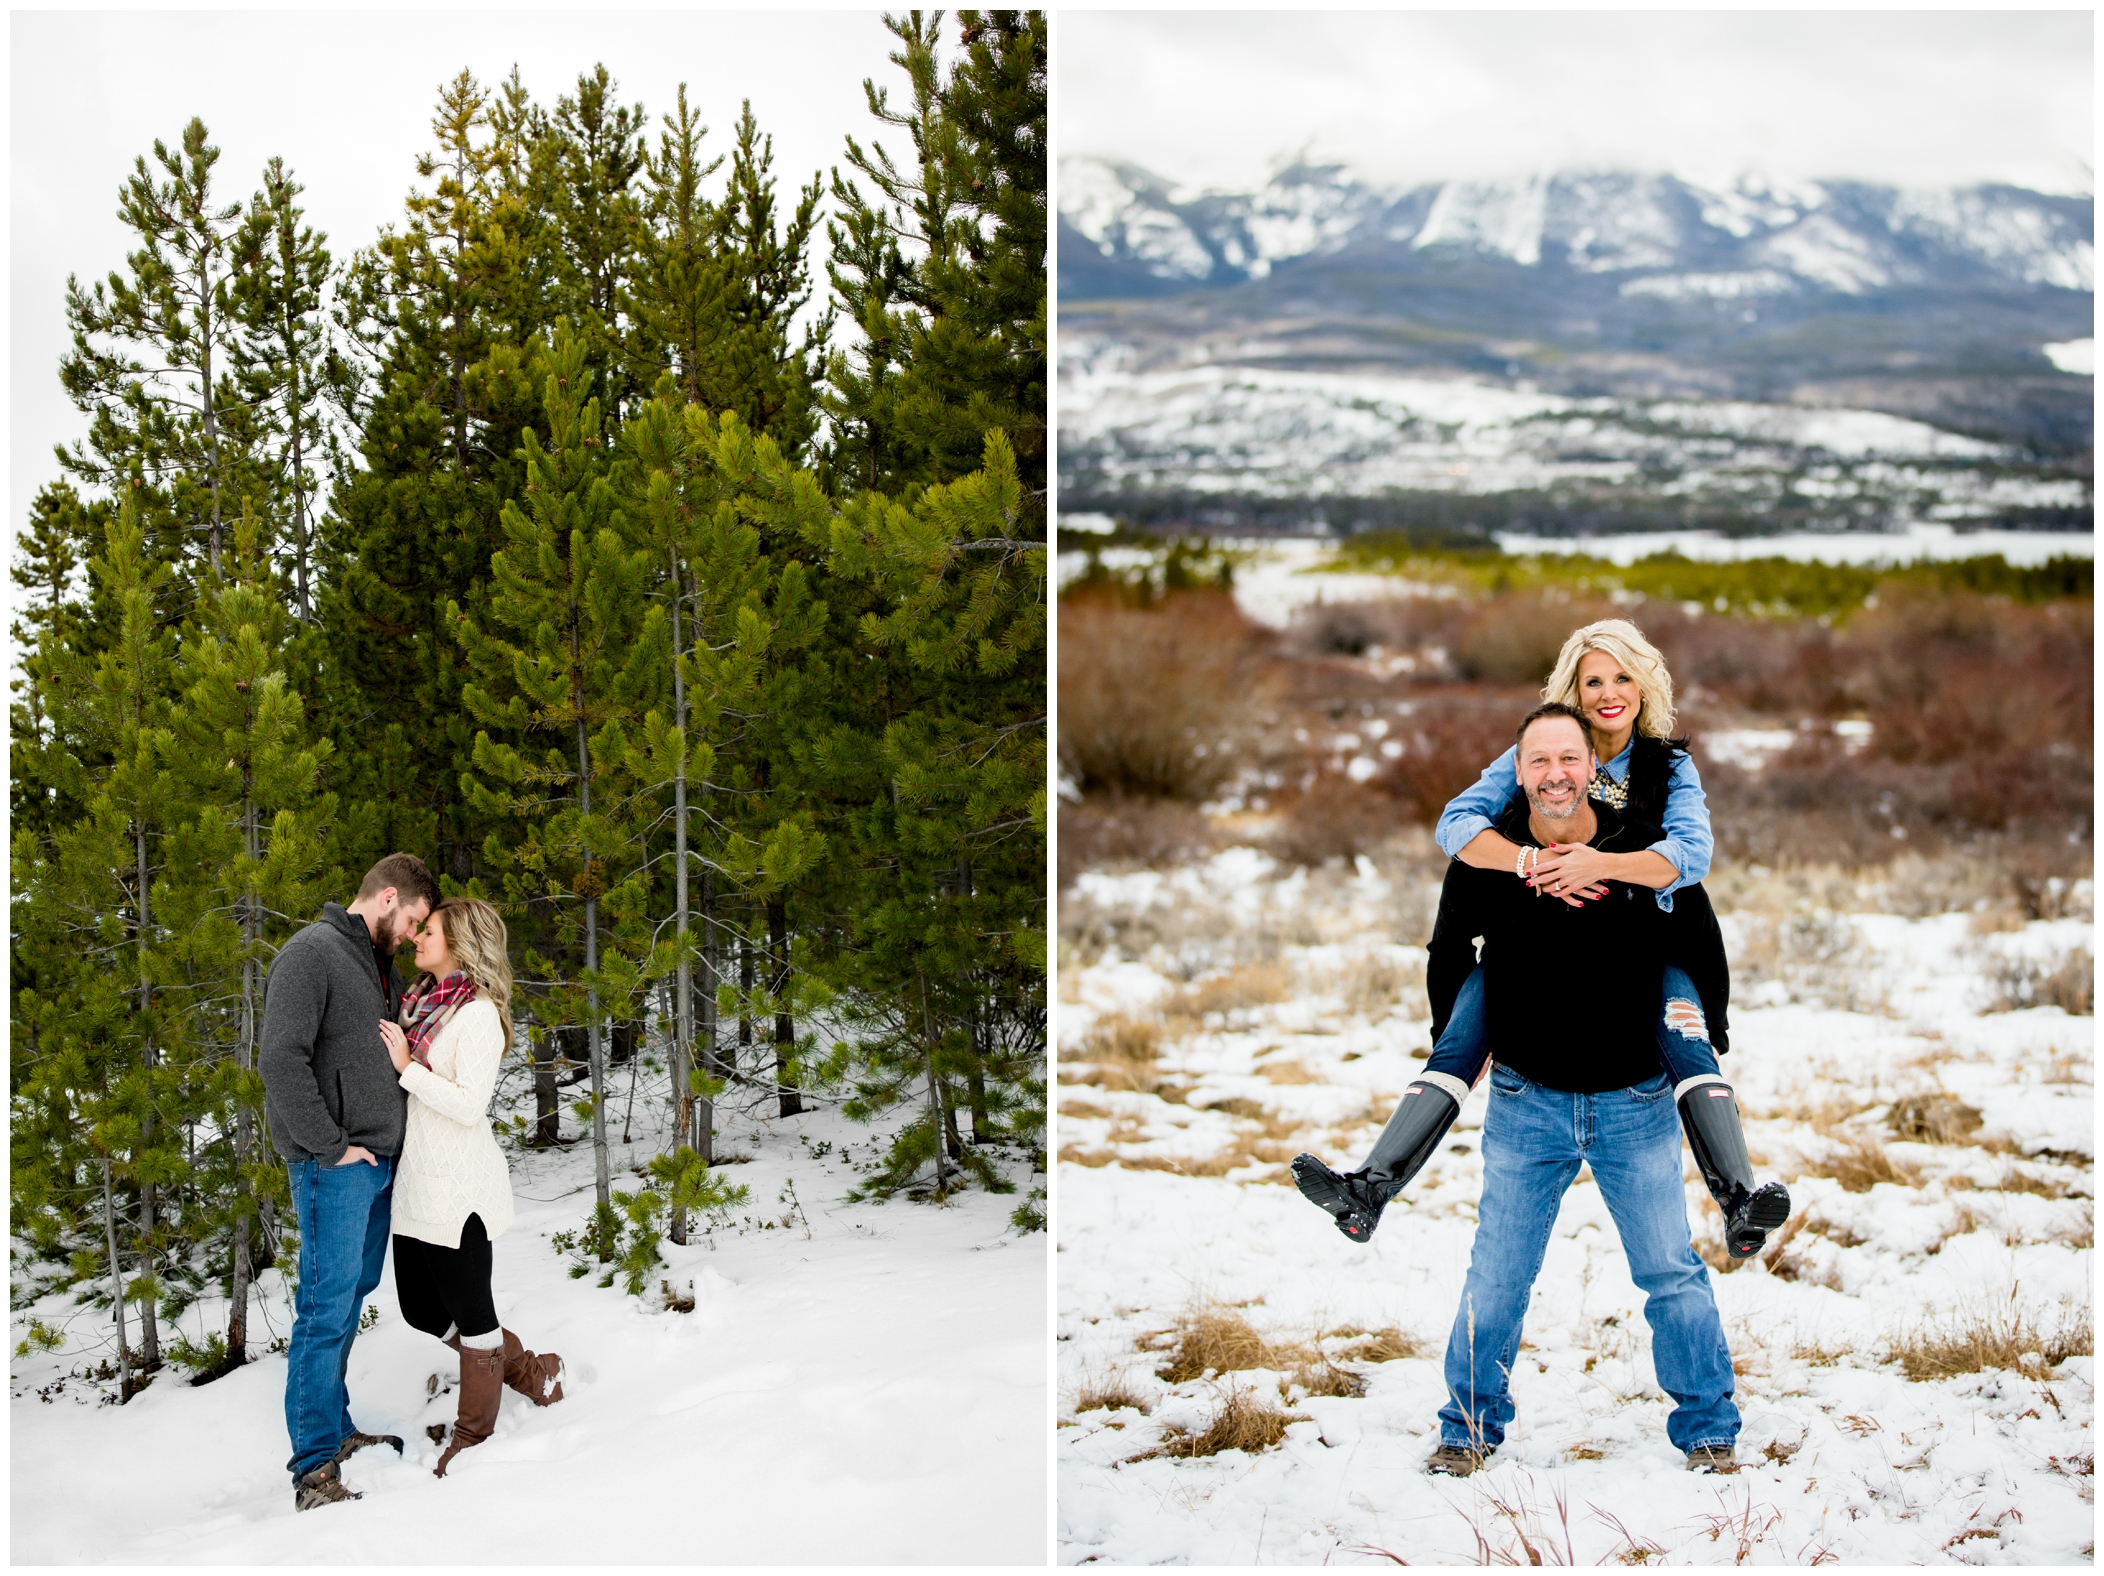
pixel 426 1007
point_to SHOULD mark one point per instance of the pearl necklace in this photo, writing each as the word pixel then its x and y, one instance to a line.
pixel 1609 792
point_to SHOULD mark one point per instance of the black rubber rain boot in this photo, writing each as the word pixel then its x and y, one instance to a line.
pixel 1709 1115
pixel 1355 1199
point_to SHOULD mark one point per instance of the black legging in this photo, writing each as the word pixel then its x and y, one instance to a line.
pixel 438 1287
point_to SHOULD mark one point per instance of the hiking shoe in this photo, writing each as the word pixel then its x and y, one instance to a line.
pixel 1712 1458
pixel 353 1443
pixel 1456 1460
pixel 322 1486
pixel 1752 1216
pixel 1352 1202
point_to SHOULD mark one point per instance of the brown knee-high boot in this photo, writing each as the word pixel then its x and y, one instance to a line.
pixel 535 1375
pixel 481 1390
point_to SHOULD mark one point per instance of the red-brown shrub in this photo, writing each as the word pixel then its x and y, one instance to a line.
pixel 1445 748
pixel 1159 702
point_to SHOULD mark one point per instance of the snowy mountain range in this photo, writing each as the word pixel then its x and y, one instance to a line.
pixel 1309 337
pixel 1128 231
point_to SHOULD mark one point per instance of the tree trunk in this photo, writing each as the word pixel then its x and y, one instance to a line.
pixel 685 1117
pixel 149 1328
pixel 745 973
pixel 245 1059
pixel 109 1231
pixel 934 1099
pixel 710 1057
pixel 204 340
pixel 785 1073
pixel 602 1183
pixel 975 1092
pixel 301 605
pixel 543 1048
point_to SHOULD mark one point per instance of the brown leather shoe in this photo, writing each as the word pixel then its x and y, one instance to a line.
pixel 535 1375
pixel 481 1391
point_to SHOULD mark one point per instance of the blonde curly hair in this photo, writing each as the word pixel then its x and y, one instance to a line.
pixel 480 944
pixel 1640 659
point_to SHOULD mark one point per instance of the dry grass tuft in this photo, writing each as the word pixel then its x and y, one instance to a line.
pixel 1246 1421
pixel 1326 1378
pixel 1123 1050
pixel 1083 1111
pixel 1372 985
pixel 1818 1108
pixel 1860 1162
pixel 1213 1339
pixel 1998 1335
pixel 1819 1351
pixel 1289 1073
pixel 2015 1180
pixel 1933 1118
pixel 1789 1263
pixel 1109 1395
pixel 1377 1346
pixel 2067 982
pixel 1252 985
pixel 1779 1452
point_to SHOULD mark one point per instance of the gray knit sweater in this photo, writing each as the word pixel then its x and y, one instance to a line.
pixel 327 1082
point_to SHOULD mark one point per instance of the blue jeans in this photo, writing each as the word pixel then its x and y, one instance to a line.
pixel 1465 1046
pixel 1533 1140
pixel 343 1214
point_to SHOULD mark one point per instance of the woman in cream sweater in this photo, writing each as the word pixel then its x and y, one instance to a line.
pixel 452 1192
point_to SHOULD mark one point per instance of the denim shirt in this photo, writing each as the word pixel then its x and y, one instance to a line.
pixel 1687 845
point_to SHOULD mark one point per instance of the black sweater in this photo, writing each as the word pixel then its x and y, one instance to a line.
pixel 1572 994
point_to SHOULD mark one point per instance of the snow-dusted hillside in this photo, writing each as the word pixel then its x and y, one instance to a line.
pixel 1951 307
pixel 855 1384
pixel 1771 236
pixel 1243 427
pixel 1907 1353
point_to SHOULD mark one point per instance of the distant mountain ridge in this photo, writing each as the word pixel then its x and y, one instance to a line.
pixel 1955 307
pixel 1127 231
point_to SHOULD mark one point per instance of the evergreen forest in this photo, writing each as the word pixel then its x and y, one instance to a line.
pixel 651 540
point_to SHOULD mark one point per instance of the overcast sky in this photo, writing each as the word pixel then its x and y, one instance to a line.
pixel 346 98
pixel 1907 97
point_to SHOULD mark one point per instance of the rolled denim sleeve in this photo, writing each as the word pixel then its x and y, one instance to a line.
pixel 1477 808
pixel 1687 845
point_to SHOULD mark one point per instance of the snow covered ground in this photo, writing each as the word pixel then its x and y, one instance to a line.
pixel 870 1390
pixel 1228 426
pixel 1217 1018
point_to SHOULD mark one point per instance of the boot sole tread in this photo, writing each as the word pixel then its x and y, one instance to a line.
pixel 1318 1186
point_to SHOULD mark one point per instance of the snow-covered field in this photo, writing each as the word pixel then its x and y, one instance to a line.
pixel 856 1384
pixel 1228 426
pixel 1217 1018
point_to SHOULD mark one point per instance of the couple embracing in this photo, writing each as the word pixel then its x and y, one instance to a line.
pixel 1600 995
pixel 377 1098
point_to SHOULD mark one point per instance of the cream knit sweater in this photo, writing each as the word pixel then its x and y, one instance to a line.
pixel 451 1166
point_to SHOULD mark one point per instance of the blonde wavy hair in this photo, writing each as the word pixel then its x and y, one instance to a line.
pixel 480 944
pixel 1640 659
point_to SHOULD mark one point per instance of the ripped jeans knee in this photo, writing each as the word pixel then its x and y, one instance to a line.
pixel 1685 1019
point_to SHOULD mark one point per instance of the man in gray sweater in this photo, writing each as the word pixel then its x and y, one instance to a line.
pixel 336 1112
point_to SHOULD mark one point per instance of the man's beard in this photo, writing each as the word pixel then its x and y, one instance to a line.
pixel 1550 813
pixel 391 932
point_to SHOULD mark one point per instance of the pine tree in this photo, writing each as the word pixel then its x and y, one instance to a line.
pixel 260 841
pixel 152 353
pixel 598 148
pixel 560 657
pixel 942 268
pixel 92 890
pixel 284 363
pixel 942 263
